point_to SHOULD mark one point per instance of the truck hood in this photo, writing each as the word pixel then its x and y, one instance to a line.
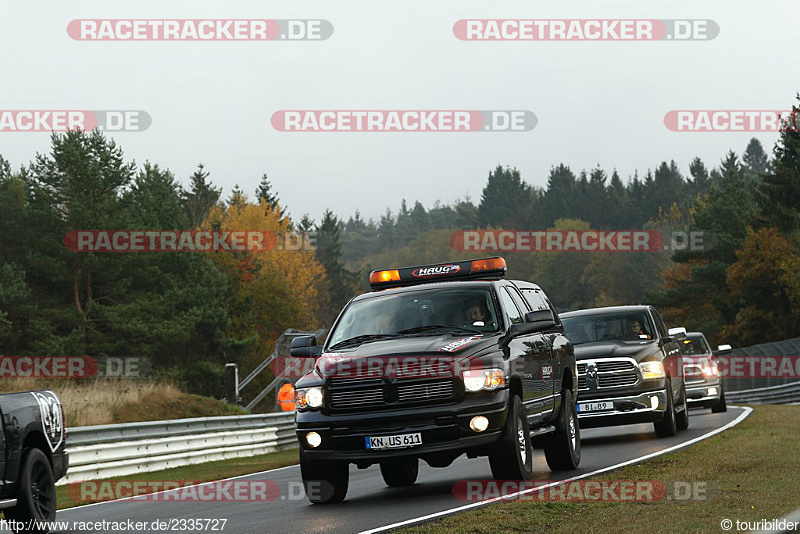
pixel 415 350
pixel 638 350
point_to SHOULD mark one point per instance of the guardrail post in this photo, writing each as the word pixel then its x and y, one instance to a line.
pixel 231 381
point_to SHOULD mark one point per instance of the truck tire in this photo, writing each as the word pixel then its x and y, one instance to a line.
pixel 721 405
pixel 562 448
pixel 511 458
pixel 400 472
pixel 36 491
pixel 682 417
pixel 324 482
pixel 667 426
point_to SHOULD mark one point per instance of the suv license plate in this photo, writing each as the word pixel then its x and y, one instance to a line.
pixel 595 406
pixel 399 441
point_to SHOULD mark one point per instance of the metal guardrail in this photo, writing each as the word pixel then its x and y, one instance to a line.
pixel 782 394
pixel 104 451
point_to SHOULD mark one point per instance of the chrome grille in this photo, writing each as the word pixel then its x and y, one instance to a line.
pixel 611 373
pixel 693 374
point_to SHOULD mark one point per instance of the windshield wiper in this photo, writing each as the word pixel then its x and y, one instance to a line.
pixel 358 340
pixel 450 328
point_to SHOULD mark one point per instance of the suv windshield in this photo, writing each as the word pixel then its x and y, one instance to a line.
pixel 417 313
pixel 632 326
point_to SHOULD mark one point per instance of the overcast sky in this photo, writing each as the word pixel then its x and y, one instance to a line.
pixel 211 102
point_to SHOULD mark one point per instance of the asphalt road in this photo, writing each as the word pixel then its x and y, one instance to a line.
pixel 371 504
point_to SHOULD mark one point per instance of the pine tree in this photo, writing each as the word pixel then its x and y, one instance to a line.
pixel 200 198
pixel 779 191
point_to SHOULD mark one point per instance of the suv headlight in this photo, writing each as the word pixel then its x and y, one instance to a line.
pixel 484 379
pixel 308 398
pixel 652 370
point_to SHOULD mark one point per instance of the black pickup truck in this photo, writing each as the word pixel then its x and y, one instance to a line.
pixel 437 361
pixel 32 457
pixel 630 369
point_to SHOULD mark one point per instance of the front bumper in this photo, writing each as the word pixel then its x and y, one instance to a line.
pixel 628 409
pixel 444 429
pixel 704 394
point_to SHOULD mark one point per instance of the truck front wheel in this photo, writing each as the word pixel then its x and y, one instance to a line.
pixel 511 458
pixel 36 492
pixel 562 448
pixel 324 481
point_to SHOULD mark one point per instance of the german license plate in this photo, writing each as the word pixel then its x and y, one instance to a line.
pixel 398 441
pixel 595 406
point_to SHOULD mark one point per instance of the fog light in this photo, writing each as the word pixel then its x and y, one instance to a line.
pixel 712 392
pixel 654 402
pixel 479 423
pixel 313 439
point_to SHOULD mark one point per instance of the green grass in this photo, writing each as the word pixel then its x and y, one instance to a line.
pixel 750 471
pixel 201 472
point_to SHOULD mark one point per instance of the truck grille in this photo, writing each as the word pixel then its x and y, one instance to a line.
pixel 611 373
pixel 693 374
pixel 362 394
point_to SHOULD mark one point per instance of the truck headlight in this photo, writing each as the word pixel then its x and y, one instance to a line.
pixel 710 370
pixel 485 379
pixel 308 398
pixel 652 370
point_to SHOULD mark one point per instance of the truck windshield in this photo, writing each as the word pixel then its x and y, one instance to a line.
pixel 417 313
pixel 612 327
pixel 694 346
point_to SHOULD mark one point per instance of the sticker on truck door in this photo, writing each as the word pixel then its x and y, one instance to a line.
pixel 52 422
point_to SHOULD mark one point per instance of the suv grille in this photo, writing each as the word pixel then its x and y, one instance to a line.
pixel 611 373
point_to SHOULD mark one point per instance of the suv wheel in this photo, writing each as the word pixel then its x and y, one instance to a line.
pixel 667 426
pixel 562 448
pixel 721 405
pixel 400 472
pixel 682 418
pixel 324 481
pixel 512 457
pixel 36 494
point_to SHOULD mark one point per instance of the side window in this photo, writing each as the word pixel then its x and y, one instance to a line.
pixel 514 315
pixel 518 300
pixel 535 300
pixel 662 330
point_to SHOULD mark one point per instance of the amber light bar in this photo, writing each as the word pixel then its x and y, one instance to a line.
pixel 458 270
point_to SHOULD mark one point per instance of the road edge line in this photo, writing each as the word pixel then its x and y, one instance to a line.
pixel 423 519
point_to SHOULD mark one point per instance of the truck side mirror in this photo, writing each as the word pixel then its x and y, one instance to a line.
pixel 305 347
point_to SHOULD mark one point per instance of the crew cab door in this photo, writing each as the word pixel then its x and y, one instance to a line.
pixel 533 354
pixel 673 361
pixel 553 366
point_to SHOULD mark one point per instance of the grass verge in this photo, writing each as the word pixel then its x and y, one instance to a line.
pixel 750 474
pixel 198 473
